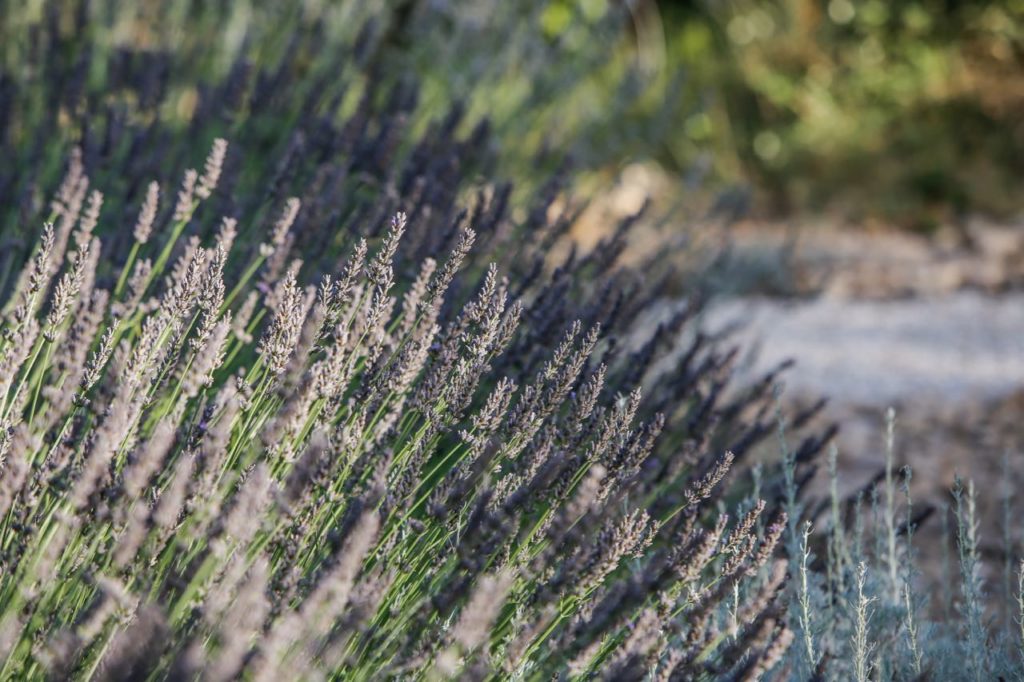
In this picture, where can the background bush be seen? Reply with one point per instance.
(905, 112)
(907, 107)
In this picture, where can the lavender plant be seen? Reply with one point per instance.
(325, 405)
(242, 474)
(870, 596)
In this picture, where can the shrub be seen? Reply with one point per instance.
(861, 609)
(283, 417)
(900, 111)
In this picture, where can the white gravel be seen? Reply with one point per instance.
(955, 348)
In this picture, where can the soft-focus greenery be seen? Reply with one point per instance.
(547, 75)
(904, 109)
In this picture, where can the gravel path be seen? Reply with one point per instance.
(960, 347)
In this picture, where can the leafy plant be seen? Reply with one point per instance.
(901, 111)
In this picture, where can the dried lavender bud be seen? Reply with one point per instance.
(147, 214)
(479, 614)
(132, 537)
(212, 168)
(68, 217)
(134, 649)
(323, 605)
(280, 233)
(149, 459)
(186, 197)
(89, 220)
(66, 292)
(69, 185)
(279, 342)
(476, 620)
(207, 359)
(16, 466)
(245, 313)
(240, 625)
(413, 299)
(227, 234)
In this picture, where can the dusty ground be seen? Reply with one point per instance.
(933, 351)
(933, 329)
(952, 366)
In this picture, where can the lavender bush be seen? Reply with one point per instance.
(283, 415)
(243, 473)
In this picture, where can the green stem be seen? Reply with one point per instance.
(123, 278)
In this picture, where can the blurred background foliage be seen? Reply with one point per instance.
(902, 111)
(906, 111)
(910, 110)
(544, 85)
